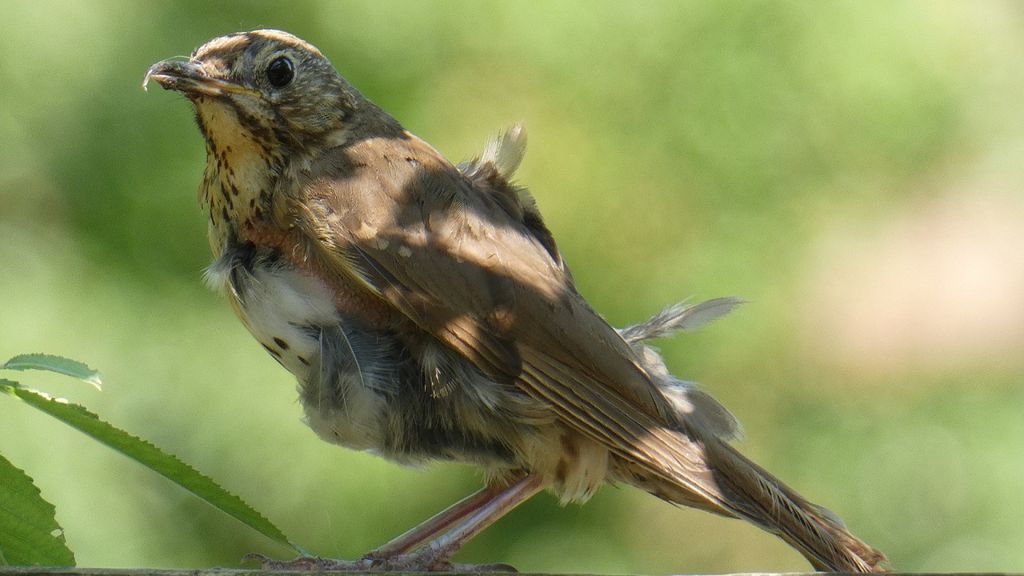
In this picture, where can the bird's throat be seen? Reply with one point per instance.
(241, 169)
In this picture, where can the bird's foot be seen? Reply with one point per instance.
(424, 560)
(417, 562)
(310, 564)
(428, 559)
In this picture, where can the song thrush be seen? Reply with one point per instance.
(427, 312)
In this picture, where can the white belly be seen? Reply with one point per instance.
(282, 309)
(287, 312)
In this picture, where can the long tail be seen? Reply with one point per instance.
(728, 483)
(754, 494)
(714, 476)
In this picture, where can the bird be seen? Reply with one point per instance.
(427, 313)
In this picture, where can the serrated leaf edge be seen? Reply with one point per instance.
(199, 480)
(51, 363)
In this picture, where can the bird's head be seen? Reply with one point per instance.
(267, 86)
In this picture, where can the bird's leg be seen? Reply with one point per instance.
(437, 524)
(476, 522)
(379, 557)
(450, 530)
(456, 526)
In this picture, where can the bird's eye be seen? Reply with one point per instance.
(280, 72)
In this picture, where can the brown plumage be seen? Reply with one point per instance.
(427, 312)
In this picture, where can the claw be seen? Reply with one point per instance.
(429, 560)
(309, 564)
(426, 560)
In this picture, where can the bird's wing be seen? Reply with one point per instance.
(403, 220)
(491, 174)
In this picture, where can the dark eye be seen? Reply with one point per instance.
(280, 72)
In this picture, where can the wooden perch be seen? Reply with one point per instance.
(43, 571)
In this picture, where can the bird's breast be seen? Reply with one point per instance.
(293, 315)
(284, 309)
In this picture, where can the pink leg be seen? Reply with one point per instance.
(476, 521)
(437, 524)
(451, 529)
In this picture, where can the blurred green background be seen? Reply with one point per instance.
(854, 169)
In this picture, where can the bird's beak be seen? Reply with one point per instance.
(189, 78)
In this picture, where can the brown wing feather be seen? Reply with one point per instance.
(461, 267)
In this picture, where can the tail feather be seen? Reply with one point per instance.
(720, 479)
(742, 489)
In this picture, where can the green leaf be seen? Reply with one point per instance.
(8, 385)
(57, 364)
(29, 533)
(155, 459)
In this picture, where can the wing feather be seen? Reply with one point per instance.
(466, 271)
